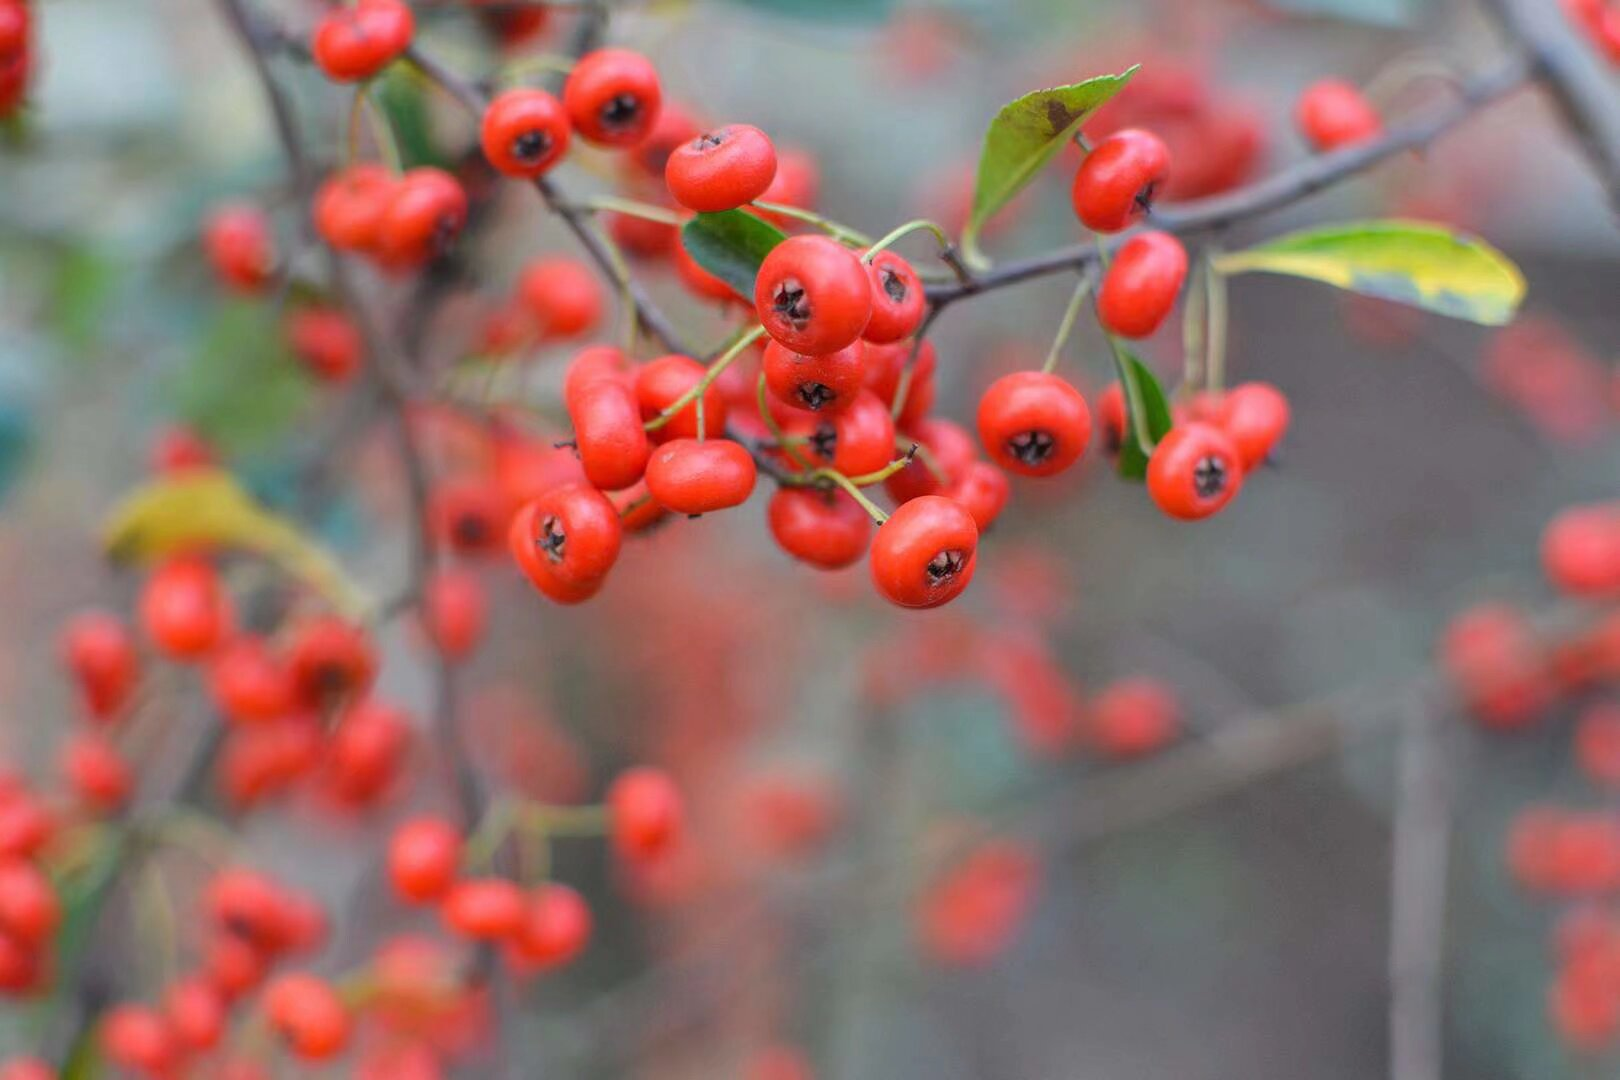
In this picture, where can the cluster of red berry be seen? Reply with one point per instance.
(16, 53)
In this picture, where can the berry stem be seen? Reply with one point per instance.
(1135, 403)
(868, 479)
(382, 131)
(788, 447)
(1082, 290)
(632, 208)
(1216, 302)
(538, 64)
(902, 388)
(1194, 336)
(497, 822)
(716, 368)
(832, 228)
(877, 512)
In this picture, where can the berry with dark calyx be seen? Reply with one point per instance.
(468, 515)
(1194, 471)
(1116, 183)
(827, 529)
(1332, 114)
(721, 169)
(425, 214)
(330, 661)
(1033, 423)
(524, 133)
(691, 476)
(661, 382)
(567, 540)
(1112, 419)
(1141, 286)
(898, 301)
(925, 554)
(813, 295)
(856, 441)
(613, 97)
(827, 383)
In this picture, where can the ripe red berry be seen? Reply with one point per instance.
(350, 206)
(100, 655)
(613, 445)
(1333, 114)
(308, 1014)
(327, 341)
(525, 132)
(1141, 286)
(925, 554)
(29, 909)
(138, 1038)
(898, 301)
(826, 383)
(331, 661)
(240, 247)
(26, 826)
(886, 364)
(813, 295)
(595, 364)
(1033, 423)
(484, 909)
(454, 612)
(721, 169)
(555, 929)
(233, 965)
(1194, 471)
(645, 813)
(16, 30)
(248, 683)
(425, 213)
(1492, 657)
(422, 859)
(1116, 182)
(26, 1068)
(468, 515)
(1255, 416)
(365, 752)
(950, 451)
(661, 382)
(22, 969)
(184, 610)
(1112, 418)
(688, 476)
(177, 448)
(826, 529)
(566, 541)
(563, 295)
(1580, 550)
(983, 490)
(1597, 743)
(796, 183)
(613, 97)
(856, 441)
(353, 43)
(196, 1013)
(1133, 717)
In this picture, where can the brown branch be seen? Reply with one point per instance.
(1272, 193)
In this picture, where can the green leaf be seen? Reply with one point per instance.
(241, 387)
(1145, 406)
(1025, 135)
(731, 245)
(82, 285)
(824, 11)
(1410, 262)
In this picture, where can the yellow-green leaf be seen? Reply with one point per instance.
(207, 508)
(1411, 262)
(1024, 136)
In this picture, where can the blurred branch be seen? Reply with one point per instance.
(1584, 96)
(1419, 865)
(1272, 193)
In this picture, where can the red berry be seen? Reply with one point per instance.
(16, 30)
(555, 929)
(826, 383)
(468, 515)
(196, 1013)
(484, 909)
(1597, 743)
(813, 295)
(26, 1068)
(886, 364)
(645, 812)
(796, 184)
(1194, 471)
(366, 751)
(1491, 655)
(856, 441)
(1133, 717)
(184, 609)
(1034, 424)
(721, 169)
(924, 555)
(454, 612)
(137, 1038)
(327, 341)
(424, 215)
(898, 301)
(661, 382)
(950, 450)
(613, 445)
(177, 448)
(29, 909)
(613, 97)
(353, 43)
(983, 490)
(1255, 416)
(1141, 286)
(689, 476)
(422, 859)
(826, 529)
(595, 364)
(1580, 550)
(331, 661)
(308, 1014)
(564, 296)
(1333, 114)
(525, 132)
(100, 654)
(248, 683)
(566, 541)
(233, 965)
(1112, 418)
(237, 238)
(351, 204)
(1116, 182)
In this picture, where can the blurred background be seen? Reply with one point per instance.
(849, 765)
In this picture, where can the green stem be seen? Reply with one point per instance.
(537, 64)
(1194, 327)
(896, 235)
(702, 385)
(826, 225)
(775, 429)
(1082, 289)
(566, 820)
(879, 515)
(1215, 297)
(488, 836)
(632, 208)
(382, 132)
(1133, 395)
